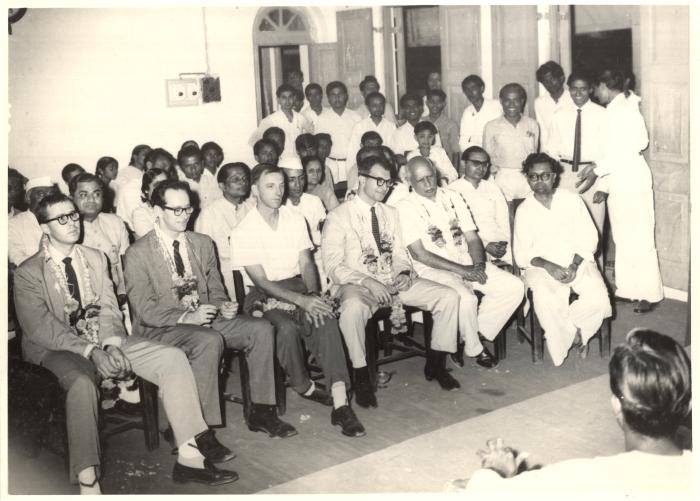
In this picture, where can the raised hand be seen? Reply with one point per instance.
(501, 458)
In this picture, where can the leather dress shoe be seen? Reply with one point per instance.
(211, 448)
(485, 359)
(643, 306)
(349, 424)
(320, 396)
(365, 396)
(446, 381)
(264, 418)
(209, 475)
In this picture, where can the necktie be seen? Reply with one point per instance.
(179, 264)
(577, 142)
(72, 280)
(375, 229)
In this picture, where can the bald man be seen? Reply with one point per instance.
(439, 232)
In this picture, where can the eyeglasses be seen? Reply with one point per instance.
(179, 210)
(545, 176)
(380, 181)
(63, 218)
(479, 163)
(237, 180)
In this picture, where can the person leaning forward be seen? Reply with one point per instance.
(178, 298)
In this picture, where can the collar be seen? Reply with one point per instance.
(59, 256)
(364, 205)
(168, 240)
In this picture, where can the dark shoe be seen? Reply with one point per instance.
(447, 382)
(643, 306)
(346, 418)
(212, 449)
(320, 396)
(264, 418)
(364, 392)
(209, 475)
(435, 369)
(485, 359)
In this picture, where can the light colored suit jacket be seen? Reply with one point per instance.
(39, 303)
(343, 240)
(149, 283)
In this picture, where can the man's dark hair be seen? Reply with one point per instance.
(189, 142)
(260, 143)
(513, 86)
(137, 151)
(147, 179)
(68, 171)
(322, 136)
(103, 163)
(311, 87)
(472, 79)
(475, 149)
(366, 80)
(211, 145)
(187, 152)
(425, 125)
(650, 374)
(53, 198)
(436, 92)
(541, 158)
(371, 135)
(83, 177)
(158, 197)
(225, 170)
(367, 152)
(285, 87)
(305, 141)
(613, 78)
(374, 95)
(261, 169)
(579, 75)
(336, 84)
(365, 165)
(549, 67)
(274, 131)
(403, 102)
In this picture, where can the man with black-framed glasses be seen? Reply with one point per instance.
(487, 204)
(553, 242)
(366, 259)
(178, 298)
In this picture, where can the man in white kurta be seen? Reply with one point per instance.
(552, 78)
(370, 85)
(561, 145)
(630, 200)
(442, 239)
(403, 140)
(291, 122)
(477, 114)
(202, 182)
(314, 104)
(375, 121)
(338, 121)
(23, 230)
(220, 218)
(554, 241)
(366, 260)
(487, 204)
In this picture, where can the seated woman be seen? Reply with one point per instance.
(144, 216)
(107, 169)
(650, 380)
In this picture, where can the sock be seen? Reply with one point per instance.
(188, 454)
(340, 395)
(87, 476)
(311, 389)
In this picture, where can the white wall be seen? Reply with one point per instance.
(591, 18)
(90, 82)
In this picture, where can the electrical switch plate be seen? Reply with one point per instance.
(183, 92)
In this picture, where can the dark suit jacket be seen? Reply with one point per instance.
(149, 283)
(39, 303)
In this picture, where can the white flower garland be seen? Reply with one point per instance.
(169, 259)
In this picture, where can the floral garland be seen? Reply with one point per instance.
(184, 287)
(459, 242)
(380, 267)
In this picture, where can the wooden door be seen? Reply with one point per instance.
(664, 50)
(515, 49)
(323, 60)
(460, 52)
(355, 50)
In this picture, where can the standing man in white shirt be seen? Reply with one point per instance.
(403, 140)
(376, 121)
(487, 204)
(576, 138)
(477, 114)
(552, 77)
(314, 97)
(443, 242)
(554, 242)
(338, 121)
(220, 218)
(202, 182)
(291, 122)
(370, 85)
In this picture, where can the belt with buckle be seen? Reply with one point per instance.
(572, 162)
(338, 159)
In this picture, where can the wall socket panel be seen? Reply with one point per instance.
(183, 92)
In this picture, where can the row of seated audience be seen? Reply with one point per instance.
(409, 231)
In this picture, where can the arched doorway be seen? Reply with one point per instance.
(281, 39)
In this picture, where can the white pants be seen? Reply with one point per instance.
(512, 183)
(502, 292)
(558, 318)
(357, 305)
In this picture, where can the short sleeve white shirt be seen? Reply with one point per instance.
(311, 207)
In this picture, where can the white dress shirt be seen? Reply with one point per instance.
(292, 128)
(385, 129)
(207, 188)
(389, 113)
(218, 221)
(471, 126)
(340, 129)
(563, 128)
(545, 107)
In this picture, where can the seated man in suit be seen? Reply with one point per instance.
(554, 241)
(441, 237)
(73, 327)
(366, 261)
(272, 243)
(178, 298)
